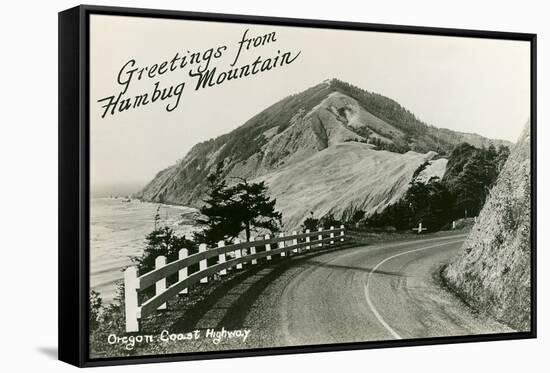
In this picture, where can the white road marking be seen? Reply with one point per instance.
(366, 287)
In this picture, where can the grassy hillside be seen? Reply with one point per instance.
(343, 179)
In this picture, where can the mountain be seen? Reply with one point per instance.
(312, 131)
(345, 178)
(493, 272)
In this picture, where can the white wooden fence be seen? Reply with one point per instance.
(227, 257)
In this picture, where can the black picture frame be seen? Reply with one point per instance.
(74, 180)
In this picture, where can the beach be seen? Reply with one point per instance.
(118, 227)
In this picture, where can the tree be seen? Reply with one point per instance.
(253, 207)
(429, 203)
(329, 221)
(357, 216)
(228, 211)
(310, 223)
(220, 221)
(491, 152)
(469, 176)
(162, 241)
(440, 204)
(471, 172)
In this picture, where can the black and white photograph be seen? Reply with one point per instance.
(259, 186)
(291, 186)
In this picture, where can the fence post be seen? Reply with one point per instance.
(331, 235)
(202, 264)
(320, 237)
(281, 244)
(221, 258)
(238, 253)
(295, 241)
(131, 299)
(160, 285)
(342, 233)
(308, 239)
(267, 247)
(182, 274)
(253, 251)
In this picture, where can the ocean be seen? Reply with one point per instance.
(117, 233)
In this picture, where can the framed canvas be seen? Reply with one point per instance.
(234, 186)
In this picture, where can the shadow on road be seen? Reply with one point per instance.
(230, 302)
(361, 269)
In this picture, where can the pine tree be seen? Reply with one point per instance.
(253, 207)
(219, 211)
(162, 241)
(310, 223)
(228, 211)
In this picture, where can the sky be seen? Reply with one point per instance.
(464, 84)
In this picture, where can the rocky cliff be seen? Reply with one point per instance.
(493, 272)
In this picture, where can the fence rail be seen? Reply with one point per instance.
(227, 257)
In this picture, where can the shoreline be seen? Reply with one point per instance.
(167, 204)
(118, 230)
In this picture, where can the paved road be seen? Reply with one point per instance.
(388, 292)
(380, 292)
